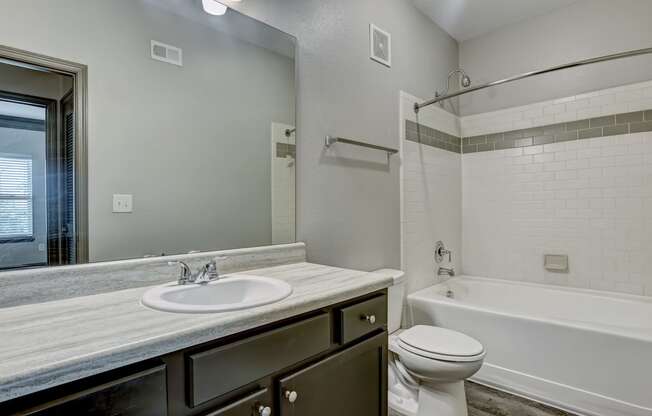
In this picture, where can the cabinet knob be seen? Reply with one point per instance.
(291, 396)
(264, 410)
(370, 318)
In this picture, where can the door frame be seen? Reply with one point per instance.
(79, 73)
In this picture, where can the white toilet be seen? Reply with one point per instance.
(427, 364)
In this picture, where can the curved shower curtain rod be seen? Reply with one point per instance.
(418, 106)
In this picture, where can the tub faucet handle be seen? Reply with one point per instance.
(441, 251)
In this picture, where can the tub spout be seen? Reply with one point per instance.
(446, 271)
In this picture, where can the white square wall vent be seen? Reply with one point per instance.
(380, 44)
(166, 53)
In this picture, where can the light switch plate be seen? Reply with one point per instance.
(123, 203)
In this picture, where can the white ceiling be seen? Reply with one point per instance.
(466, 19)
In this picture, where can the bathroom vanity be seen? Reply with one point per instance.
(321, 351)
(328, 361)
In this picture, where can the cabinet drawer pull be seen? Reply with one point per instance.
(370, 318)
(264, 410)
(291, 396)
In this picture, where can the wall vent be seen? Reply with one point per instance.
(380, 45)
(167, 53)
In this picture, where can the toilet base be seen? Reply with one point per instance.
(442, 399)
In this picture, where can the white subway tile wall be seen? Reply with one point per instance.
(431, 197)
(623, 99)
(590, 198)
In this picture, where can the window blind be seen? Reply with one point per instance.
(16, 205)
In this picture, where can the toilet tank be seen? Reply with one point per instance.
(395, 296)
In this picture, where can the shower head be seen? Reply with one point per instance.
(465, 81)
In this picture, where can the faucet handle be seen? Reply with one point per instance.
(210, 269)
(441, 251)
(186, 271)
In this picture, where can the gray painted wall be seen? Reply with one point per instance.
(348, 206)
(187, 142)
(583, 30)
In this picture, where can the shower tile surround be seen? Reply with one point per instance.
(611, 125)
(568, 176)
(431, 189)
(419, 133)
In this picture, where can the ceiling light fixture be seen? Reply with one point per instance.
(214, 7)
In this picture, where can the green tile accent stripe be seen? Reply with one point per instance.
(428, 136)
(635, 122)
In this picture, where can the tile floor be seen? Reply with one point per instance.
(483, 401)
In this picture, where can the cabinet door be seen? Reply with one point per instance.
(141, 394)
(350, 383)
(257, 404)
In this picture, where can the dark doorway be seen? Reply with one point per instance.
(37, 168)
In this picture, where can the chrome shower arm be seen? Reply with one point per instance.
(448, 81)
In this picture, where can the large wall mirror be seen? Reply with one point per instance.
(137, 128)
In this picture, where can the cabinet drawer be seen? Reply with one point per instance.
(141, 394)
(217, 371)
(251, 405)
(362, 318)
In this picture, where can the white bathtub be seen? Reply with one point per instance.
(584, 351)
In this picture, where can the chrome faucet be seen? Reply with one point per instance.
(206, 274)
(440, 252)
(446, 271)
(185, 275)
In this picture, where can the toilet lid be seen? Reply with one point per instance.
(440, 341)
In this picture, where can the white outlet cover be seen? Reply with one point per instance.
(123, 203)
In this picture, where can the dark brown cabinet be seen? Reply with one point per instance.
(140, 394)
(257, 404)
(361, 318)
(253, 358)
(331, 361)
(350, 383)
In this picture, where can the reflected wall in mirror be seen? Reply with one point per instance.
(144, 128)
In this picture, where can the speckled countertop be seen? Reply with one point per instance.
(47, 344)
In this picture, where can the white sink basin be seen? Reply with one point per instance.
(229, 293)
